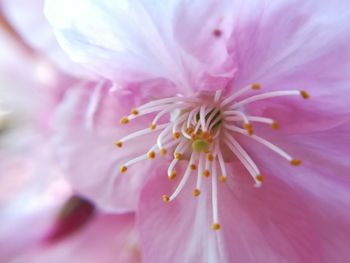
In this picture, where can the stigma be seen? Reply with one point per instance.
(202, 131)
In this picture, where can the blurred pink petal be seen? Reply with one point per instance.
(86, 122)
(107, 238)
(73, 234)
(29, 21)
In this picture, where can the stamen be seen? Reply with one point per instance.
(223, 178)
(249, 128)
(162, 152)
(165, 198)
(256, 86)
(196, 192)
(259, 177)
(252, 172)
(142, 132)
(275, 125)
(295, 162)
(184, 131)
(178, 156)
(206, 173)
(304, 94)
(193, 113)
(182, 182)
(168, 100)
(163, 134)
(124, 120)
(163, 112)
(123, 169)
(218, 153)
(204, 128)
(217, 95)
(202, 115)
(267, 95)
(179, 121)
(238, 93)
(137, 159)
(176, 135)
(134, 111)
(252, 119)
(172, 175)
(216, 227)
(267, 144)
(212, 116)
(119, 144)
(214, 197)
(243, 153)
(200, 170)
(151, 155)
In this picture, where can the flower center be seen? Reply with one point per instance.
(201, 131)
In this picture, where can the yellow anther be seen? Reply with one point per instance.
(295, 162)
(124, 120)
(205, 135)
(162, 152)
(172, 175)
(176, 135)
(178, 156)
(259, 178)
(210, 139)
(152, 126)
(165, 198)
(119, 144)
(223, 178)
(249, 128)
(256, 86)
(134, 111)
(196, 192)
(210, 157)
(304, 94)
(193, 167)
(215, 226)
(151, 155)
(123, 169)
(206, 173)
(275, 125)
(189, 130)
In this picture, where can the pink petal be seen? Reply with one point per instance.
(134, 41)
(178, 231)
(300, 214)
(31, 24)
(296, 45)
(86, 130)
(255, 224)
(324, 169)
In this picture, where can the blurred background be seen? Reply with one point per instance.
(42, 219)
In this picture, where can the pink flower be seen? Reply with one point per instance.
(204, 79)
